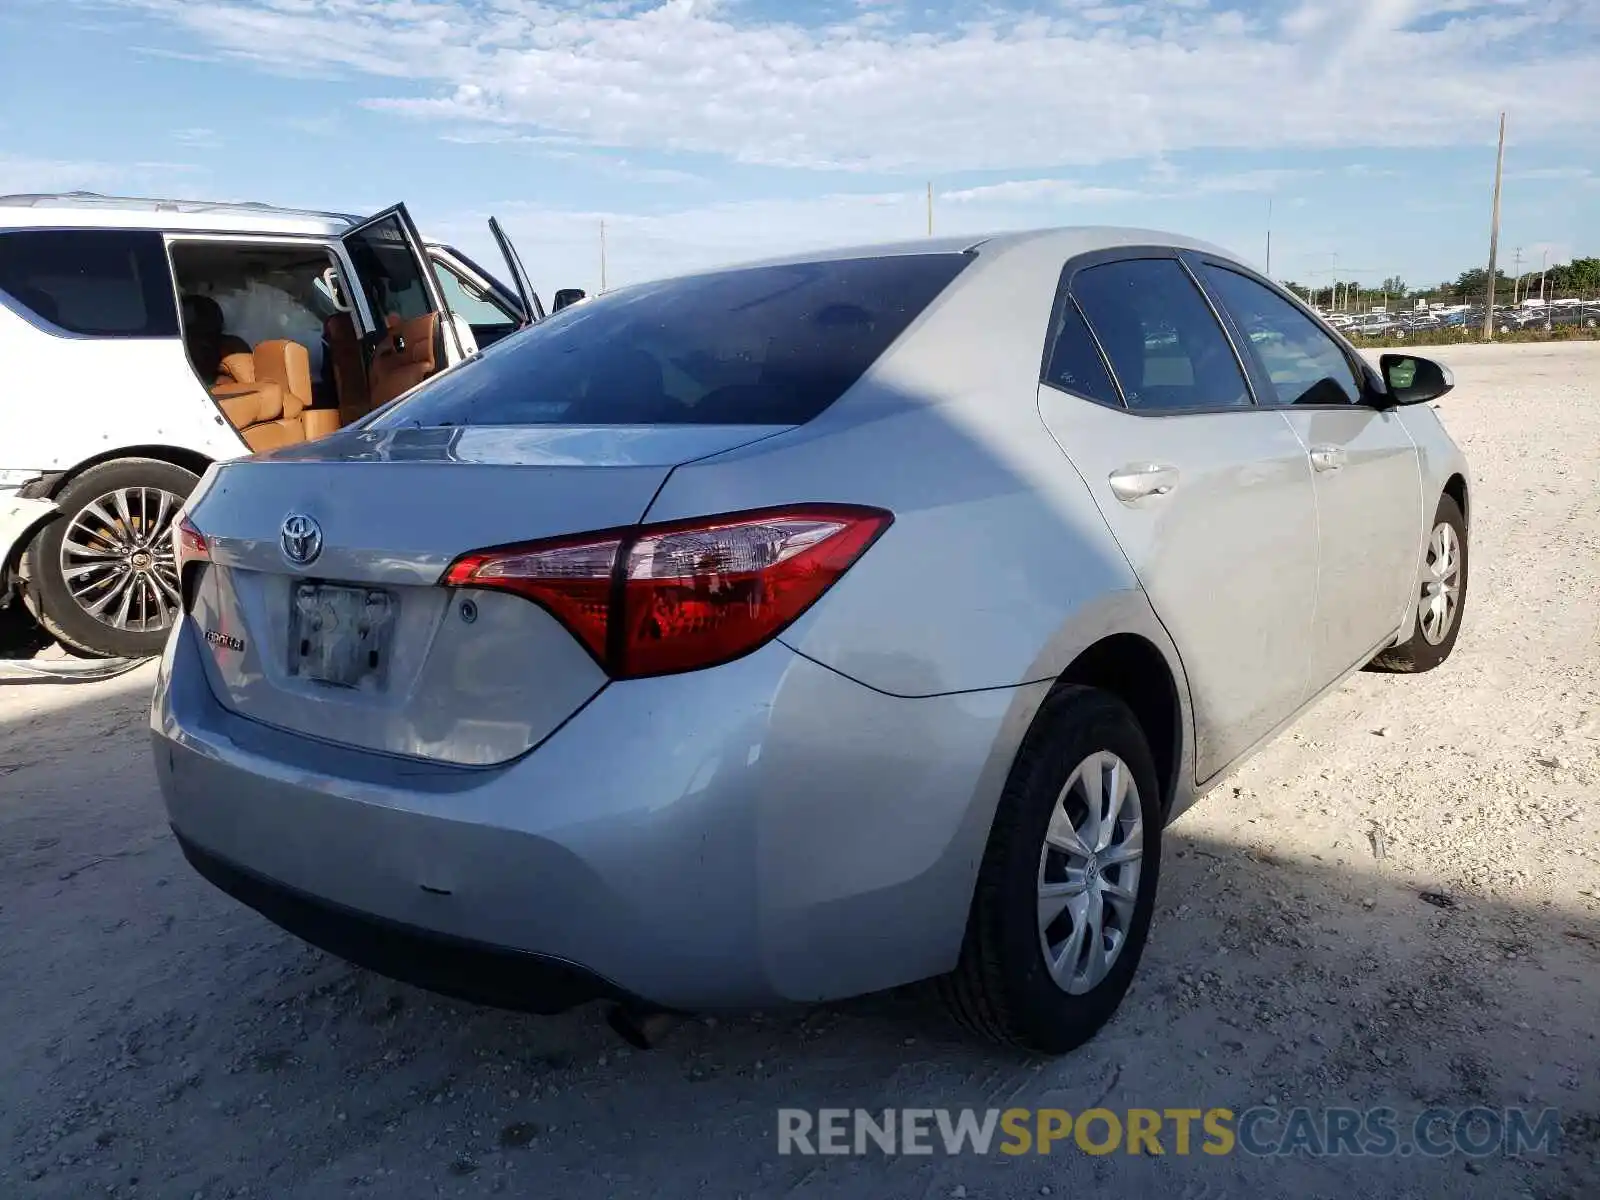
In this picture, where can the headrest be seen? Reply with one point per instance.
(202, 315)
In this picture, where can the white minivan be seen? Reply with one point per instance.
(144, 340)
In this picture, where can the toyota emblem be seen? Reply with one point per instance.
(302, 539)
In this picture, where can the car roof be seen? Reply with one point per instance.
(90, 210)
(1061, 242)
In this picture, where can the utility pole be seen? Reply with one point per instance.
(930, 208)
(1544, 265)
(1269, 237)
(1516, 283)
(1494, 231)
(602, 256)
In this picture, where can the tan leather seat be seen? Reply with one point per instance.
(411, 351)
(204, 337)
(265, 393)
(349, 367)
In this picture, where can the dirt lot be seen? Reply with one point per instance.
(160, 1040)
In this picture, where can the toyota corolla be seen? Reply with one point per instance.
(799, 630)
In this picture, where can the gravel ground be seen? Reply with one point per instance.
(1398, 903)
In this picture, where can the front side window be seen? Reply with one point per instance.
(1304, 364)
(756, 346)
(468, 301)
(109, 283)
(1166, 348)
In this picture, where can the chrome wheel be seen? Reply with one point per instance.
(1441, 584)
(1089, 872)
(117, 562)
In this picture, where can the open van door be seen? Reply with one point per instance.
(519, 277)
(410, 333)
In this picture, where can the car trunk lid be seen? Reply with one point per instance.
(321, 613)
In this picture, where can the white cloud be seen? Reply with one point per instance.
(1092, 83)
(26, 174)
(1036, 191)
(198, 138)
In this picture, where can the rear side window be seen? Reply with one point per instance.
(758, 346)
(1304, 364)
(98, 282)
(1075, 363)
(1166, 348)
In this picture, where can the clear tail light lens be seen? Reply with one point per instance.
(681, 596)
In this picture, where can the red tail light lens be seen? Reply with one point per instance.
(685, 595)
(189, 545)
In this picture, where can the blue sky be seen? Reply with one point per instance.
(705, 131)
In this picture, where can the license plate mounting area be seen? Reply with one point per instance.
(339, 635)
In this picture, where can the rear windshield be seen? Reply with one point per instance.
(758, 346)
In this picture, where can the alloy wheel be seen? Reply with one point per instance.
(117, 560)
(1441, 584)
(1089, 872)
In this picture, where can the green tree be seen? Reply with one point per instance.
(1579, 277)
(1395, 286)
(1474, 284)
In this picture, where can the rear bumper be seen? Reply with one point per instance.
(762, 832)
(457, 967)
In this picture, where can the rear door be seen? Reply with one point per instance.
(1209, 496)
(410, 334)
(1367, 475)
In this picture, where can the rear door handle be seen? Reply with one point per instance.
(1327, 458)
(1137, 481)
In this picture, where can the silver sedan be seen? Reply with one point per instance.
(799, 630)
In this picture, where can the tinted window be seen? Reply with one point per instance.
(1075, 362)
(1305, 365)
(1166, 348)
(763, 345)
(389, 272)
(100, 282)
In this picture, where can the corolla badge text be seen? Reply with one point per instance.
(225, 640)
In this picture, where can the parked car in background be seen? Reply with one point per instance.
(143, 340)
(799, 630)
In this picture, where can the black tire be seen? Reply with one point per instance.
(1418, 653)
(52, 600)
(1002, 987)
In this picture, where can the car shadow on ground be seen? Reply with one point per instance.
(159, 1025)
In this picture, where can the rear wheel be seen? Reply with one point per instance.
(102, 573)
(1068, 881)
(1441, 597)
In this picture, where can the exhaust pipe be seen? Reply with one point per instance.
(641, 1028)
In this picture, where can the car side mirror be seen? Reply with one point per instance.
(569, 296)
(1412, 379)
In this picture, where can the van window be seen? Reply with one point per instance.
(97, 282)
(768, 345)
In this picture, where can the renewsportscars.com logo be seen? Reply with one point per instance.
(1263, 1132)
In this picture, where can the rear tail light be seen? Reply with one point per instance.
(189, 546)
(677, 597)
